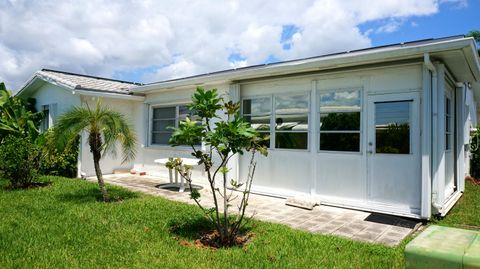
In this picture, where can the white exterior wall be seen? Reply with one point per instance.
(50, 94)
(337, 178)
(148, 153)
(108, 163)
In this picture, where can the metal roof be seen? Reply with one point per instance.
(86, 82)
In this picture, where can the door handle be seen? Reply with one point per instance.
(370, 152)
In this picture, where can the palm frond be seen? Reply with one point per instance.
(112, 125)
(115, 128)
(70, 124)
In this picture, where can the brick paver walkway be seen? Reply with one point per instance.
(354, 224)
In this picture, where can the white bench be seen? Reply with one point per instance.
(181, 186)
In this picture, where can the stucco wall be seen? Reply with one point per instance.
(109, 162)
(52, 94)
(148, 153)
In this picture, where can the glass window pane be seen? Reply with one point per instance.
(392, 127)
(447, 106)
(266, 136)
(292, 122)
(162, 125)
(260, 123)
(164, 113)
(447, 141)
(291, 104)
(340, 121)
(161, 138)
(447, 124)
(261, 105)
(183, 112)
(340, 141)
(291, 140)
(340, 101)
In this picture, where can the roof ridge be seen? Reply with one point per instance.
(90, 76)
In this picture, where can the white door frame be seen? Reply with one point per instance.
(412, 204)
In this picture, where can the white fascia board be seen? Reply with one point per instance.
(36, 77)
(327, 62)
(109, 95)
(473, 52)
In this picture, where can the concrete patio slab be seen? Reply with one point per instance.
(353, 224)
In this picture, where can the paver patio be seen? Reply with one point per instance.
(354, 224)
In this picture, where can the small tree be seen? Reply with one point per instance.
(105, 127)
(223, 139)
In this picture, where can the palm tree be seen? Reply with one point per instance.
(105, 128)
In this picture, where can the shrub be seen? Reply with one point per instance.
(475, 155)
(55, 161)
(19, 160)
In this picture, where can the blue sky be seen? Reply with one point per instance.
(161, 40)
(450, 20)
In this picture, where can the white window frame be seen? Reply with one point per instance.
(448, 125)
(150, 120)
(273, 117)
(269, 96)
(361, 110)
(48, 119)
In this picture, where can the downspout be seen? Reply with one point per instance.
(434, 152)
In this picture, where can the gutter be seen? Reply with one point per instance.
(109, 95)
(434, 151)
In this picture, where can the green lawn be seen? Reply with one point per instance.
(63, 226)
(466, 213)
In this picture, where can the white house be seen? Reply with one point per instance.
(384, 129)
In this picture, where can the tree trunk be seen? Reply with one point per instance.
(95, 141)
(101, 183)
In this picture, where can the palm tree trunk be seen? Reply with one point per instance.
(95, 141)
(101, 183)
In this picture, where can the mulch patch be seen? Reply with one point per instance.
(211, 240)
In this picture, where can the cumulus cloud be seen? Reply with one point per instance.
(181, 38)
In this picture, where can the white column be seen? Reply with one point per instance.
(426, 121)
(438, 136)
(313, 125)
(234, 162)
(460, 135)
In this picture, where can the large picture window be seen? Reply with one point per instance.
(339, 116)
(165, 117)
(291, 121)
(258, 111)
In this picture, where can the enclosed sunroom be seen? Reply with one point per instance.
(384, 129)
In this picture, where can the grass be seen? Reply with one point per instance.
(64, 226)
(466, 213)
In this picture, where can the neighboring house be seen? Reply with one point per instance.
(384, 129)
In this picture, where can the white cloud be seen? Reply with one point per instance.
(101, 37)
(391, 26)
